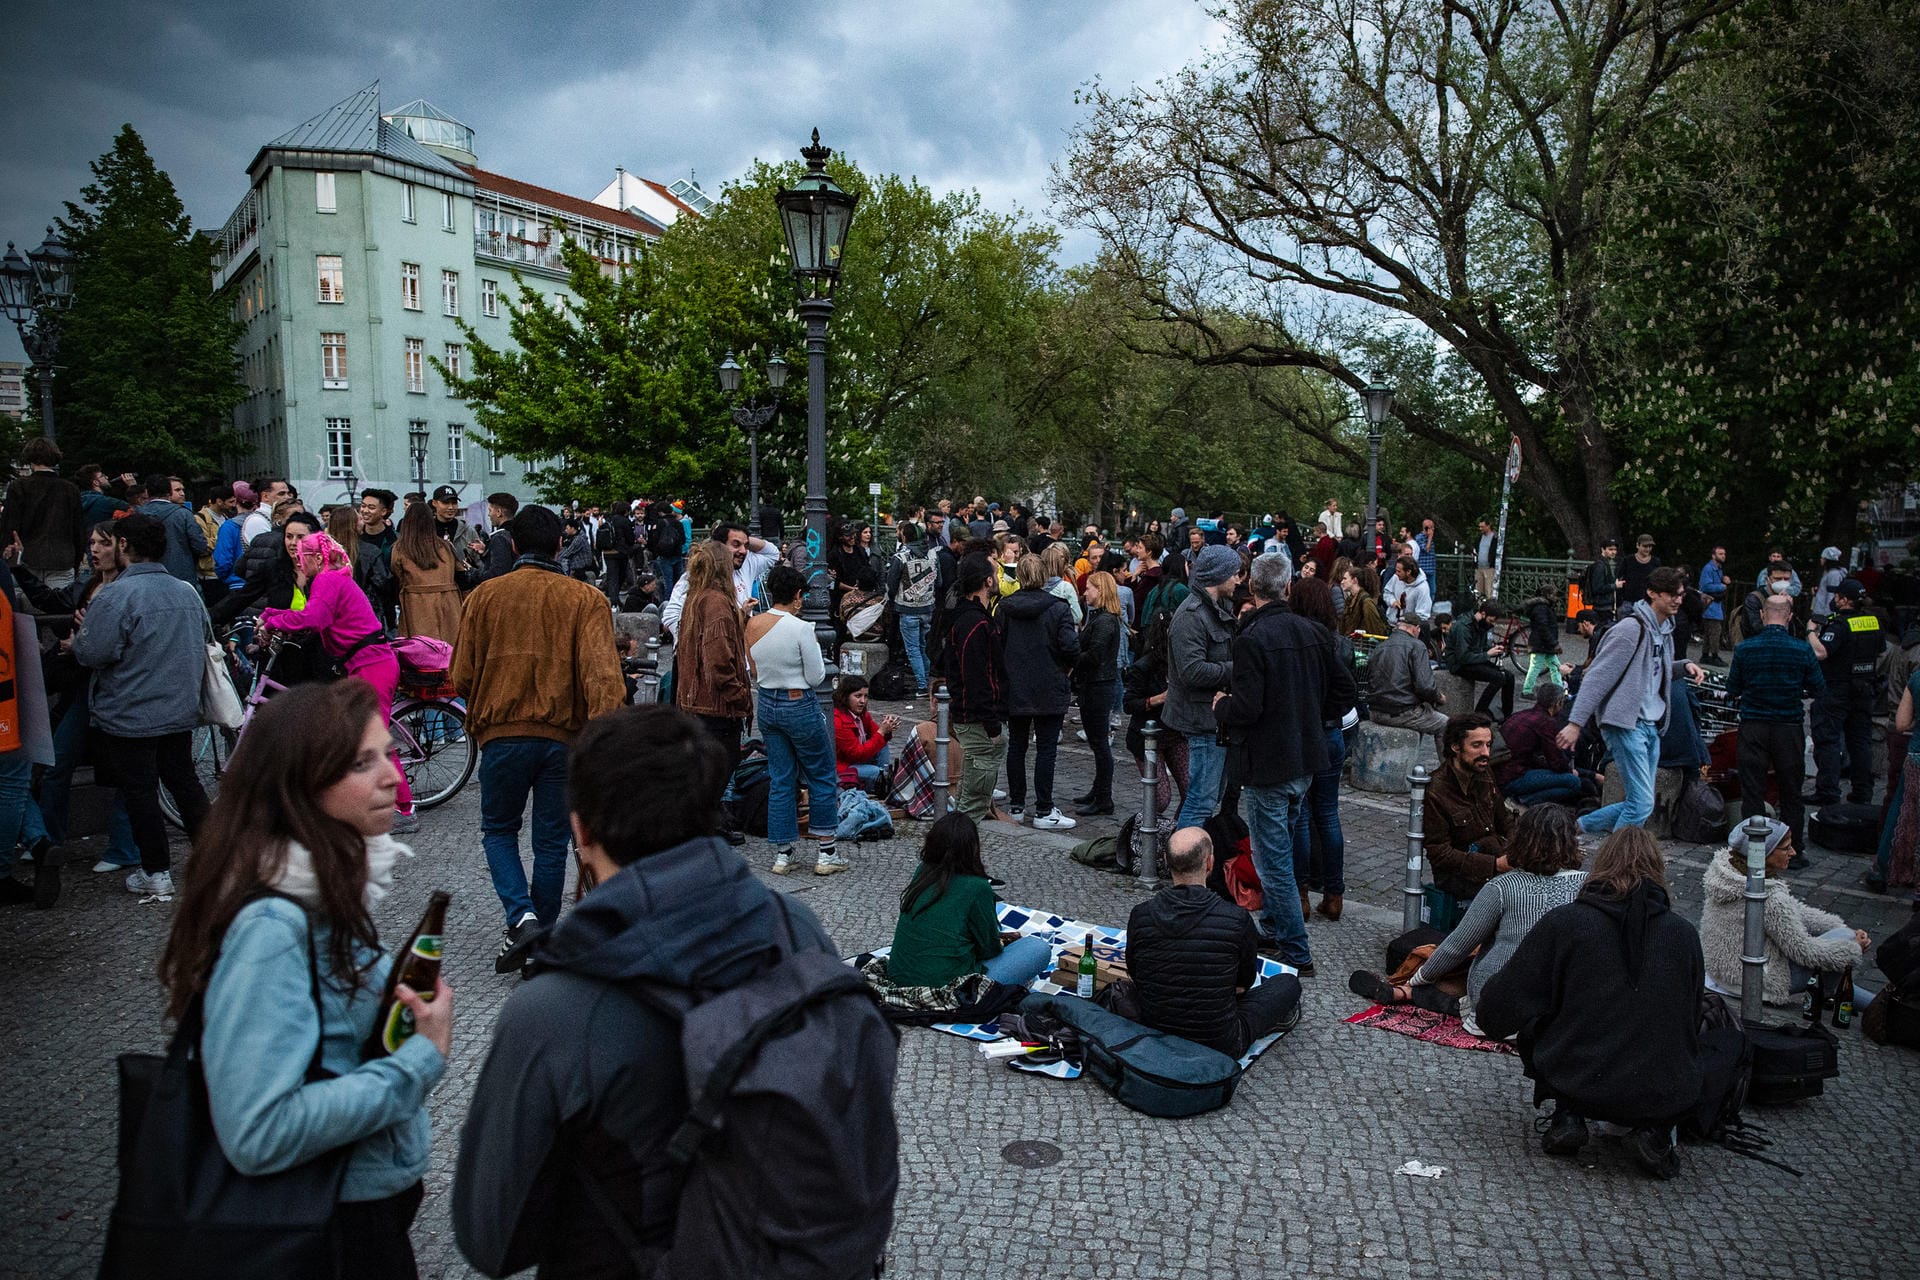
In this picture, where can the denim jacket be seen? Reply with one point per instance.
(258, 1039)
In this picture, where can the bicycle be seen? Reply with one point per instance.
(429, 725)
(1511, 639)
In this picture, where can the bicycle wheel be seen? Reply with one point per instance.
(434, 750)
(212, 747)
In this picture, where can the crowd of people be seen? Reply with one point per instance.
(1257, 651)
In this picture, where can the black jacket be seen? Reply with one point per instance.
(1604, 994)
(1188, 952)
(975, 670)
(583, 1074)
(1288, 684)
(1037, 637)
(498, 560)
(1099, 661)
(1543, 629)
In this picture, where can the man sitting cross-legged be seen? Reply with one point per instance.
(1193, 955)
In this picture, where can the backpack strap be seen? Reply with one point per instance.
(1601, 706)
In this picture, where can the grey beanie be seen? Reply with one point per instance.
(1215, 565)
(1179, 513)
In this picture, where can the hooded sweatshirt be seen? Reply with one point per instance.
(584, 1075)
(1188, 951)
(1604, 994)
(1628, 677)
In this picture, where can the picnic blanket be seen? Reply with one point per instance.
(1443, 1029)
(1064, 931)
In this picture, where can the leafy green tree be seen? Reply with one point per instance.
(148, 377)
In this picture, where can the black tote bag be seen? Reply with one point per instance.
(183, 1211)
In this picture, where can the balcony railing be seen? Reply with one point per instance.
(236, 239)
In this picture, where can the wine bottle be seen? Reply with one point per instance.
(1088, 967)
(418, 967)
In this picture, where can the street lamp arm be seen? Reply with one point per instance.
(752, 417)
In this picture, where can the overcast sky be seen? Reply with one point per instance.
(960, 93)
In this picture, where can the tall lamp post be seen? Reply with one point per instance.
(1377, 399)
(417, 454)
(35, 291)
(752, 416)
(815, 216)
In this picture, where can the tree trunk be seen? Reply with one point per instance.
(1840, 517)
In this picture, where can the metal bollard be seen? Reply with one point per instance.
(650, 673)
(1147, 872)
(1417, 779)
(1753, 951)
(942, 708)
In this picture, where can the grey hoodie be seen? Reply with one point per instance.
(1633, 662)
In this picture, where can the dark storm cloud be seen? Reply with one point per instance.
(958, 94)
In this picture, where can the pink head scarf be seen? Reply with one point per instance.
(332, 556)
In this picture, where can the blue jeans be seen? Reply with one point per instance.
(510, 770)
(872, 773)
(1271, 814)
(16, 781)
(1022, 961)
(668, 569)
(799, 746)
(1206, 769)
(1800, 977)
(1536, 785)
(1636, 753)
(1316, 828)
(913, 634)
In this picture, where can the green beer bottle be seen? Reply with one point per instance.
(1088, 967)
(419, 968)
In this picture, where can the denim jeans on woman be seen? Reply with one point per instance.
(1045, 730)
(46, 815)
(1271, 814)
(913, 634)
(1022, 961)
(1316, 829)
(799, 747)
(511, 770)
(1636, 754)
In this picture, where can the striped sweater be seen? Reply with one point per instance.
(1500, 916)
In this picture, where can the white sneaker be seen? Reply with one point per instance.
(107, 864)
(999, 793)
(831, 864)
(1080, 734)
(158, 885)
(1018, 814)
(1054, 820)
(1471, 1024)
(783, 862)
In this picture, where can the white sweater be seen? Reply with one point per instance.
(788, 655)
(1793, 933)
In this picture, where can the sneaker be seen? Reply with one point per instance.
(1018, 813)
(783, 862)
(1565, 1135)
(405, 824)
(1654, 1152)
(831, 864)
(158, 885)
(1053, 820)
(995, 882)
(1471, 1025)
(108, 864)
(517, 943)
(1291, 1021)
(999, 793)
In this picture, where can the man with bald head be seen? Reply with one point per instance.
(1193, 955)
(1771, 672)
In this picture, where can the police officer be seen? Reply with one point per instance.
(1848, 643)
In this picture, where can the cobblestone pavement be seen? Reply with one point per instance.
(1296, 1178)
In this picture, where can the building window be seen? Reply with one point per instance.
(490, 298)
(450, 292)
(416, 366)
(406, 202)
(496, 465)
(339, 448)
(559, 302)
(452, 361)
(446, 211)
(410, 285)
(333, 279)
(456, 452)
(323, 192)
(333, 361)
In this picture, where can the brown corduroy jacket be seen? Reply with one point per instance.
(535, 656)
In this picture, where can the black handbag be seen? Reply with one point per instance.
(183, 1212)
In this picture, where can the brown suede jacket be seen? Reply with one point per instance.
(535, 656)
(1460, 813)
(710, 674)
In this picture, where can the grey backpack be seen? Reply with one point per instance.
(789, 1155)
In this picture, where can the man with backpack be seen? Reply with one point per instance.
(913, 583)
(626, 1121)
(666, 543)
(614, 541)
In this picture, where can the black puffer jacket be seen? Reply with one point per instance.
(1099, 661)
(1040, 645)
(1188, 952)
(1604, 994)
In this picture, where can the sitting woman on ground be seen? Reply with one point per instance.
(947, 925)
(1536, 770)
(1545, 855)
(1096, 674)
(1360, 590)
(859, 741)
(1316, 823)
(332, 606)
(1603, 996)
(1804, 943)
(276, 916)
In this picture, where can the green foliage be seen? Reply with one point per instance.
(148, 378)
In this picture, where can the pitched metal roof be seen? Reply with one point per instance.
(353, 127)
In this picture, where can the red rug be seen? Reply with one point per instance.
(1423, 1024)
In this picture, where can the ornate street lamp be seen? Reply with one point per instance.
(417, 454)
(752, 416)
(815, 216)
(1377, 400)
(35, 291)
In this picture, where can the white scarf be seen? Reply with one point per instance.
(297, 879)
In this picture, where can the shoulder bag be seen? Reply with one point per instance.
(219, 703)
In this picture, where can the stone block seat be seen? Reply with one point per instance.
(1381, 757)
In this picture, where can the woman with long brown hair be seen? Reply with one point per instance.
(710, 661)
(274, 948)
(423, 566)
(1096, 674)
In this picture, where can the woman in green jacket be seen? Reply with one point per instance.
(948, 927)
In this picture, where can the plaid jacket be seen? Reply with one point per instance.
(1771, 672)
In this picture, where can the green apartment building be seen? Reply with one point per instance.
(361, 238)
